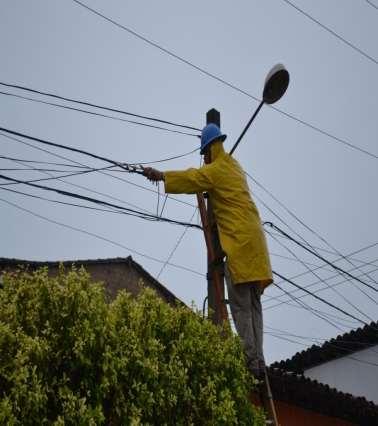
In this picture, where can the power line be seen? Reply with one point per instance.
(175, 247)
(319, 298)
(364, 263)
(372, 4)
(55, 177)
(70, 183)
(306, 266)
(98, 114)
(328, 286)
(84, 165)
(23, 169)
(61, 202)
(92, 234)
(308, 308)
(318, 290)
(307, 287)
(77, 101)
(329, 30)
(179, 240)
(128, 211)
(221, 80)
(346, 323)
(88, 170)
(124, 166)
(291, 259)
(290, 212)
(319, 256)
(350, 255)
(38, 162)
(161, 160)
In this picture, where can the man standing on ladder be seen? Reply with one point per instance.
(242, 238)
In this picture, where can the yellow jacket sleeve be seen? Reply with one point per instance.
(189, 181)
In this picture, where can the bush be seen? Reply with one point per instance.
(67, 357)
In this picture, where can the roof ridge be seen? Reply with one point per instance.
(336, 347)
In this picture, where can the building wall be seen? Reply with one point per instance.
(291, 415)
(352, 374)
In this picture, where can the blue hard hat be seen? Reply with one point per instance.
(210, 133)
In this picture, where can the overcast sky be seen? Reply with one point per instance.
(60, 47)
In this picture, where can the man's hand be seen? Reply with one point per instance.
(153, 174)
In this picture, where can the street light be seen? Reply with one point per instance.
(276, 83)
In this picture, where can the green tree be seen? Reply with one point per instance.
(68, 357)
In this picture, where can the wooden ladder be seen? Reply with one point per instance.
(264, 398)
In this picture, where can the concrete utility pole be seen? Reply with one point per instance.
(215, 259)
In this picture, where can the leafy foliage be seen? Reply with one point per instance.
(67, 357)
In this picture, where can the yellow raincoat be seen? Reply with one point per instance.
(241, 235)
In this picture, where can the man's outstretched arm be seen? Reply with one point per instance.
(182, 181)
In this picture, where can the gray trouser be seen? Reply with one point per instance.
(246, 310)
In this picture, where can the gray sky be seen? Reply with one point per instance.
(58, 46)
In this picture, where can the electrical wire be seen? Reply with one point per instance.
(127, 211)
(175, 247)
(331, 286)
(306, 295)
(308, 308)
(77, 101)
(221, 80)
(83, 187)
(329, 30)
(92, 234)
(164, 203)
(134, 163)
(291, 259)
(84, 111)
(102, 172)
(60, 202)
(52, 177)
(364, 263)
(335, 276)
(319, 298)
(290, 212)
(124, 166)
(372, 4)
(343, 322)
(319, 256)
(22, 160)
(158, 198)
(327, 286)
(89, 170)
(178, 242)
(21, 169)
(306, 266)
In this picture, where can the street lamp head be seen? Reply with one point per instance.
(276, 83)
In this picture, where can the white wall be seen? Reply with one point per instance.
(353, 374)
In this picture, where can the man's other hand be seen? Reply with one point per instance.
(153, 174)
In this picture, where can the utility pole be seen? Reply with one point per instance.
(215, 255)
